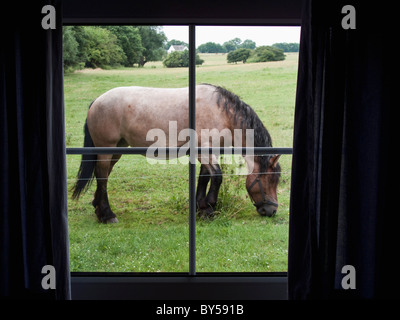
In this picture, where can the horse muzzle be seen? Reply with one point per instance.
(267, 209)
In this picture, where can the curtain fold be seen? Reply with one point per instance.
(343, 174)
(33, 201)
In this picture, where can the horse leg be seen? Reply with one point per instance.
(113, 161)
(121, 144)
(216, 180)
(100, 202)
(207, 205)
(204, 177)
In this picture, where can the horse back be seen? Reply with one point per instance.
(130, 112)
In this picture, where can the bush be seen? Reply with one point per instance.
(179, 59)
(238, 55)
(267, 53)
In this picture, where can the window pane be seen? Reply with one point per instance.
(150, 202)
(237, 238)
(150, 199)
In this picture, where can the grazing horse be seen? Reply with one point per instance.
(123, 116)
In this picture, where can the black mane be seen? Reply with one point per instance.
(248, 120)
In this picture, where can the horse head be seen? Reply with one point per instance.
(261, 185)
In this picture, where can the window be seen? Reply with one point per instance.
(152, 234)
(192, 268)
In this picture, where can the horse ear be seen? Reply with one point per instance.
(274, 160)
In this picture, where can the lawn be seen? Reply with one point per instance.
(151, 201)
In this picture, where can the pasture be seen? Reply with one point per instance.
(151, 201)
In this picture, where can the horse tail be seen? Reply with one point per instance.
(86, 170)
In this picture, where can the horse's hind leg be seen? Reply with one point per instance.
(113, 161)
(121, 144)
(100, 202)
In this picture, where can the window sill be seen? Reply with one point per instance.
(179, 286)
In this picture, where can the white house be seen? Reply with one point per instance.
(177, 48)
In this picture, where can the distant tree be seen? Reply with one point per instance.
(229, 46)
(178, 59)
(130, 41)
(267, 53)
(287, 47)
(152, 41)
(211, 47)
(236, 42)
(238, 55)
(248, 44)
(102, 48)
(232, 45)
(109, 46)
(174, 60)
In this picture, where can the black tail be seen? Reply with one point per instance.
(86, 170)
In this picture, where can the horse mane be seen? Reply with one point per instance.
(248, 119)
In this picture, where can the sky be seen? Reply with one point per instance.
(220, 34)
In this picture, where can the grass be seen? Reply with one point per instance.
(151, 201)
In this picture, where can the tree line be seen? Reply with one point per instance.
(111, 46)
(228, 46)
(235, 44)
(259, 54)
(115, 46)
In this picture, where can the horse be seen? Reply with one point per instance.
(122, 117)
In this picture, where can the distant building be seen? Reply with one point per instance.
(177, 48)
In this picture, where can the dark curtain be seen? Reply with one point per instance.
(33, 202)
(344, 208)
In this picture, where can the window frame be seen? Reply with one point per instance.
(191, 285)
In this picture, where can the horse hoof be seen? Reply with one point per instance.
(207, 213)
(112, 220)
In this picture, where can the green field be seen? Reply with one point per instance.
(151, 201)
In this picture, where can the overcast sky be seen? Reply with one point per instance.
(220, 34)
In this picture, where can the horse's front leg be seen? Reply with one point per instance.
(204, 178)
(100, 202)
(207, 204)
(216, 180)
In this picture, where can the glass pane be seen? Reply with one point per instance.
(242, 60)
(150, 200)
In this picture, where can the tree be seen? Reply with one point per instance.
(108, 46)
(174, 60)
(152, 42)
(287, 47)
(211, 47)
(238, 55)
(103, 48)
(179, 59)
(232, 45)
(248, 44)
(130, 41)
(267, 53)
(70, 47)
